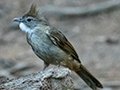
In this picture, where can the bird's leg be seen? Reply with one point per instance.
(58, 65)
(45, 66)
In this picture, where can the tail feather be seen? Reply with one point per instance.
(90, 80)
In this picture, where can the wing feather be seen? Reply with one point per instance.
(61, 41)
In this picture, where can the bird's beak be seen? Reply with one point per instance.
(19, 19)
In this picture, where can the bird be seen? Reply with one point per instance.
(51, 45)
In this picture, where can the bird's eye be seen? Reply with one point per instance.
(29, 19)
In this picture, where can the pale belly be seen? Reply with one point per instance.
(47, 51)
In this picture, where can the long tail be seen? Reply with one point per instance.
(90, 80)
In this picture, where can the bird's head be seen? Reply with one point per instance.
(31, 19)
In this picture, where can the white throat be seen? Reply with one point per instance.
(24, 28)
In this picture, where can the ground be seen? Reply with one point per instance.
(96, 38)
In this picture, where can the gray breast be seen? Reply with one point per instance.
(45, 49)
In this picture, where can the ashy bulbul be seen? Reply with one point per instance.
(50, 45)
